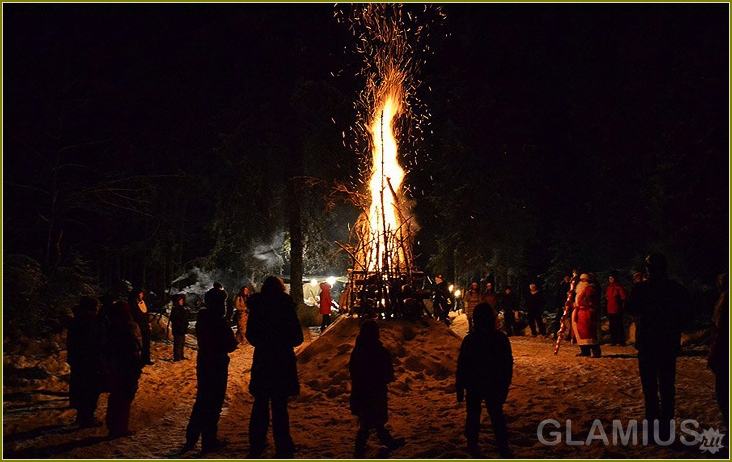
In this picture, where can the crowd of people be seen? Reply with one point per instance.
(108, 348)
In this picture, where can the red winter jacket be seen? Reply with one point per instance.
(325, 299)
(616, 296)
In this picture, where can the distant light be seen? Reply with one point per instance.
(457, 293)
(451, 287)
(331, 280)
(313, 282)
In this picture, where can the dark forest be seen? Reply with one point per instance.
(141, 141)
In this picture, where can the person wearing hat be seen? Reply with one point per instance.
(509, 305)
(661, 307)
(616, 296)
(585, 318)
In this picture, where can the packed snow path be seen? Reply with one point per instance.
(422, 405)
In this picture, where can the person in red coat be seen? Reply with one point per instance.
(325, 303)
(616, 296)
(585, 317)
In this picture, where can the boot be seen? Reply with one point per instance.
(389, 441)
(505, 452)
(474, 450)
(362, 437)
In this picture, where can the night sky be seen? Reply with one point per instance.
(554, 98)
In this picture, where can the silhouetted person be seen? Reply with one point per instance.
(371, 370)
(142, 318)
(240, 304)
(484, 373)
(216, 298)
(274, 330)
(179, 325)
(660, 306)
(534, 308)
(471, 299)
(215, 342)
(718, 358)
(123, 365)
(509, 305)
(441, 300)
(84, 346)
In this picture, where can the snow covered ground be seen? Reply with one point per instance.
(37, 422)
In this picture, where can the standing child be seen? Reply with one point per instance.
(484, 373)
(371, 370)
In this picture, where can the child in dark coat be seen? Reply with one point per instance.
(371, 370)
(484, 373)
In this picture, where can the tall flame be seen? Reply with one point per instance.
(386, 180)
(389, 37)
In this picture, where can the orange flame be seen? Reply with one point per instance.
(386, 181)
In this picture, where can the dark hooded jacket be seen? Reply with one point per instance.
(661, 307)
(485, 362)
(371, 370)
(274, 330)
(123, 351)
(84, 345)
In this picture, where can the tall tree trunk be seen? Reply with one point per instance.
(296, 242)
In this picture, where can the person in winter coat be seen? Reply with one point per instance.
(326, 302)
(616, 296)
(123, 364)
(661, 307)
(509, 305)
(84, 347)
(215, 298)
(371, 370)
(585, 318)
(242, 312)
(470, 301)
(484, 374)
(215, 342)
(718, 357)
(274, 330)
(179, 324)
(142, 318)
(441, 300)
(534, 308)
(489, 296)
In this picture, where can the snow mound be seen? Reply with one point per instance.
(423, 353)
